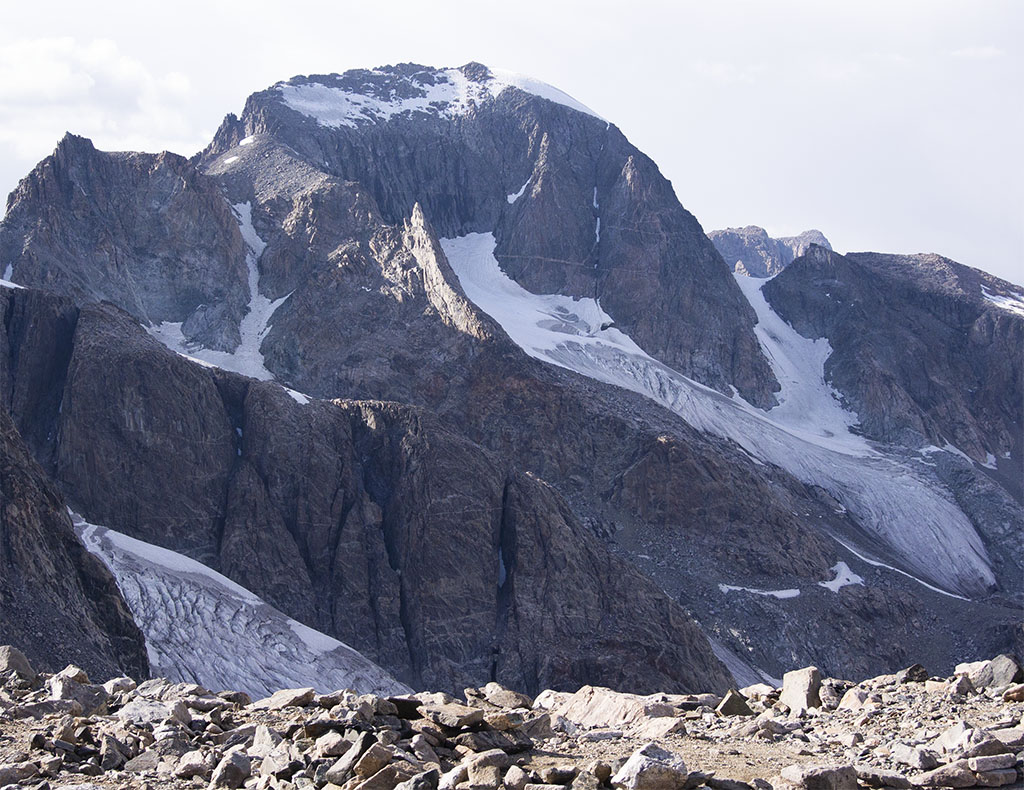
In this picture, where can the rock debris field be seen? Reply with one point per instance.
(904, 730)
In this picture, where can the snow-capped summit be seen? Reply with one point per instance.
(374, 96)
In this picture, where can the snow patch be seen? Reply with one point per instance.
(246, 140)
(230, 159)
(807, 404)
(446, 93)
(516, 195)
(1013, 304)
(299, 397)
(201, 627)
(9, 272)
(844, 577)
(6, 283)
(247, 358)
(781, 594)
(908, 512)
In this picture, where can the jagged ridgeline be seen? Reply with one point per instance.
(426, 378)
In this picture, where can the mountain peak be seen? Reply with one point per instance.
(751, 251)
(363, 96)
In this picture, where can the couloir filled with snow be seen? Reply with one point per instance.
(447, 93)
(807, 434)
(247, 358)
(201, 627)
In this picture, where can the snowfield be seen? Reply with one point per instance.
(447, 93)
(201, 627)
(807, 434)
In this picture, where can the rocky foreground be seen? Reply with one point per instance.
(893, 731)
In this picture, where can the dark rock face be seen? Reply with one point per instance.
(146, 231)
(753, 252)
(918, 351)
(365, 518)
(56, 600)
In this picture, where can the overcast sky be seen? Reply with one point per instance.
(893, 126)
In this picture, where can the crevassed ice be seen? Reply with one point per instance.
(451, 94)
(906, 511)
(201, 627)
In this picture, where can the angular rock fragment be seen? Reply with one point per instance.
(800, 690)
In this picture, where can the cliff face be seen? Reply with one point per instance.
(926, 350)
(57, 601)
(367, 520)
(145, 231)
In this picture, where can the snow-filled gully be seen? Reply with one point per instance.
(247, 358)
(807, 434)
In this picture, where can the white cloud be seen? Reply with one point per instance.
(52, 85)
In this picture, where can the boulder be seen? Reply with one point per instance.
(142, 711)
(997, 778)
(427, 780)
(914, 756)
(651, 768)
(733, 704)
(955, 774)
(13, 660)
(232, 771)
(594, 706)
(287, 698)
(453, 715)
(992, 762)
(196, 763)
(963, 740)
(800, 690)
(876, 777)
(820, 777)
(1000, 671)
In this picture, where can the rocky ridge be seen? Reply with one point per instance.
(751, 251)
(900, 731)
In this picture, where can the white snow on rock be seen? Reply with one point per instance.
(844, 577)
(1013, 304)
(246, 140)
(516, 195)
(781, 594)
(247, 358)
(807, 404)
(889, 498)
(447, 93)
(201, 627)
(877, 564)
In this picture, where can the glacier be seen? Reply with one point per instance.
(201, 627)
(807, 434)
